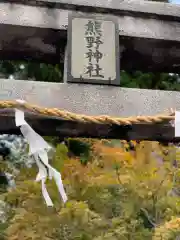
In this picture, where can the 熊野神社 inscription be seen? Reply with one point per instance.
(93, 50)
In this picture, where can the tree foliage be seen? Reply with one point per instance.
(117, 195)
(50, 73)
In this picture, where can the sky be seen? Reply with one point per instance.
(175, 1)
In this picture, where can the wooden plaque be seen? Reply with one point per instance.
(93, 49)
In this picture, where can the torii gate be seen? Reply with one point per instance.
(136, 36)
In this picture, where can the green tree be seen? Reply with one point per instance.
(162, 81)
(50, 73)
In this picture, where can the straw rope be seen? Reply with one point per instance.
(65, 115)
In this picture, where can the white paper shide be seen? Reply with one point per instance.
(177, 123)
(39, 148)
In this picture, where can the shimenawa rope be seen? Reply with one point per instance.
(69, 116)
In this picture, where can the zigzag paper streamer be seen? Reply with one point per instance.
(38, 147)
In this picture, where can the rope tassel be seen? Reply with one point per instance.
(38, 147)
